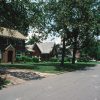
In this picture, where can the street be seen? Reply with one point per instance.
(78, 85)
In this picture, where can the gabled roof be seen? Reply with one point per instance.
(10, 46)
(46, 47)
(5, 32)
(29, 48)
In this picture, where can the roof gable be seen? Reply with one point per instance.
(46, 47)
(10, 47)
(29, 48)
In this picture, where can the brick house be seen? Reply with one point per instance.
(68, 52)
(12, 44)
(45, 50)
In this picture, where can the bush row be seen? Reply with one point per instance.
(53, 59)
(84, 59)
(27, 59)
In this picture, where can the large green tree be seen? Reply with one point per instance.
(74, 20)
(20, 14)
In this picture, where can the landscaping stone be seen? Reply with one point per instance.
(25, 75)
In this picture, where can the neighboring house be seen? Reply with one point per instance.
(45, 50)
(77, 53)
(12, 44)
(68, 52)
(29, 50)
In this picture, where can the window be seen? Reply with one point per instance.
(19, 43)
(18, 53)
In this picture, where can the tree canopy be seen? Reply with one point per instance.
(34, 39)
(20, 14)
(74, 20)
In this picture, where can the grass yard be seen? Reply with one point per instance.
(91, 62)
(47, 67)
(50, 67)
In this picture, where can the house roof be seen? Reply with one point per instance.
(46, 47)
(29, 48)
(5, 32)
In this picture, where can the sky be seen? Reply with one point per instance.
(54, 39)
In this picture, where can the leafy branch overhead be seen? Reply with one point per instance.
(76, 21)
(20, 14)
(34, 39)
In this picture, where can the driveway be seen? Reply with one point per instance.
(78, 85)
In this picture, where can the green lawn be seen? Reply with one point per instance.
(50, 67)
(91, 62)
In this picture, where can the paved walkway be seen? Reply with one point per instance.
(79, 85)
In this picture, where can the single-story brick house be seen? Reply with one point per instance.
(44, 50)
(12, 44)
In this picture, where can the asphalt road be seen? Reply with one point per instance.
(79, 85)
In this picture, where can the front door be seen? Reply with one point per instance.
(10, 56)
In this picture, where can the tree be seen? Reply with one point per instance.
(34, 39)
(73, 20)
(20, 14)
(92, 50)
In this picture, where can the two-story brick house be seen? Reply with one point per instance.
(12, 43)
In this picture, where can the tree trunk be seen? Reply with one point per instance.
(74, 46)
(97, 44)
(63, 53)
(74, 54)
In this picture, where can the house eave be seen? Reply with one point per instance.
(13, 37)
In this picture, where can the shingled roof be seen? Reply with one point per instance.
(46, 47)
(5, 32)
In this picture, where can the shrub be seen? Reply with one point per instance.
(83, 59)
(54, 59)
(27, 59)
(23, 59)
(3, 82)
(18, 59)
(69, 59)
(35, 59)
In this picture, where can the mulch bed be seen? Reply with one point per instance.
(26, 75)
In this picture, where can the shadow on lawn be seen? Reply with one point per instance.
(74, 67)
(56, 68)
(44, 68)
